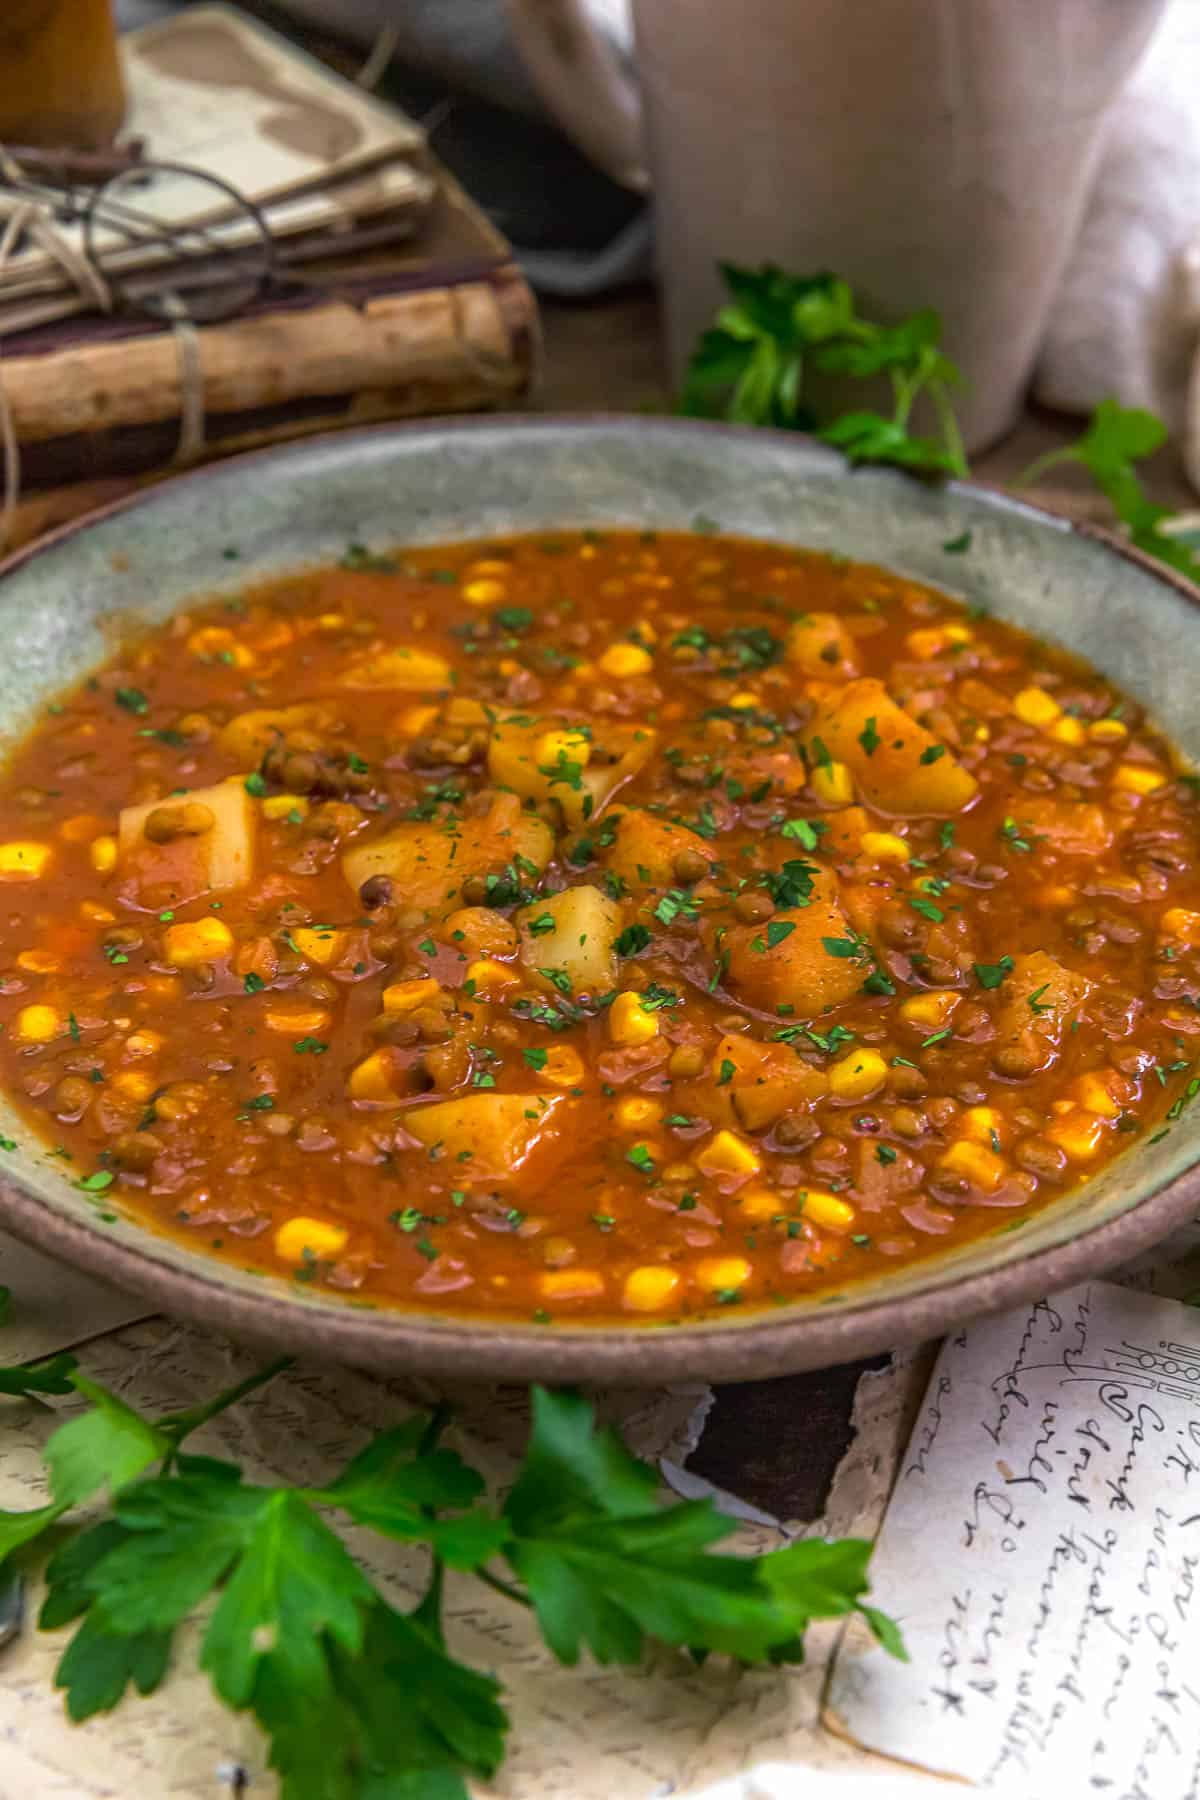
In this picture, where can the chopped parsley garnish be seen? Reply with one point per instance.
(990, 975)
(542, 924)
(869, 738)
(804, 831)
(641, 1158)
(885, 1154)
(926, 908)
(132, 699)
(792, 885)
(933, 753)
(253, 984)
(633, 939)
(1010, 831)
(310, 1046)
(726, 1072)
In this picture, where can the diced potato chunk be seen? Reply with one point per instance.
(488, 1137)
(534, 759)
(798, 971)
(644, 850)
(250, 735)
(767, 1081)
(884, 748)
(1041, 998)
(819, 645)
(1073, 827)
(401, 669)
(182, 868)
(579, 945)
(428, 863)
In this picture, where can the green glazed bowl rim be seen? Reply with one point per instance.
(188, 1284)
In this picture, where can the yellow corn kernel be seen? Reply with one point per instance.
(197, 941)
(927, 643)
(555, 747)
(629, 1022)
(1133, 778)
(1056, 894)
(832, 784)
(490, 979)
(981, 1124)
(743, 702)
(371, 1079)
(563, 1067)
(728, 1154)
(143, 1043)
(95, 914)
(217, 641)
(1034, 706)
(39, 962)
(571, 1284)
(857, 1075)
(959, 634)
(135, 1083)
(760, 1204)
(722, 1274)
(650, 1288)
(39, 1024)
(983, 734)
(625, 659)
(1078, 1133)
(296, 1021)
(1094, 1093)
(406, 996)
(981, 1166)
(885, 846)
(281, 806)
(1178, 922)
(1108, 731)
(484, 592)
(103, 854)
(305, 1240)
(933, 1009)
(638, 1113)
(827, 1210)
(321, 947)
(1068, 730)
(21, 861)
(489, 565)
(416, 719)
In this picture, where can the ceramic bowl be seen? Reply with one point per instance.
(61, 602)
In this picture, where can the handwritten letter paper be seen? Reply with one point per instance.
(1042, 1552)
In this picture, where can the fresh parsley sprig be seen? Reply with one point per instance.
(752, 367)
(1116, 440)
(357, 1698)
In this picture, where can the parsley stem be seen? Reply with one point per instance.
(949, 424)
(179, 1425)
(504, 1587)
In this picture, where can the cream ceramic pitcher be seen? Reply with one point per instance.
(935, 152)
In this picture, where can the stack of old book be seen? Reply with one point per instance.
(145, 321)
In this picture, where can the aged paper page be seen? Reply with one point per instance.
(1042, 1554)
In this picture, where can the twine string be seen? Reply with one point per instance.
(22, 215)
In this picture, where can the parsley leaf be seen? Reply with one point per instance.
(990, 975)
(632, 939)
(751, 366)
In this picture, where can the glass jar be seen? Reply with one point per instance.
(60, 76)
